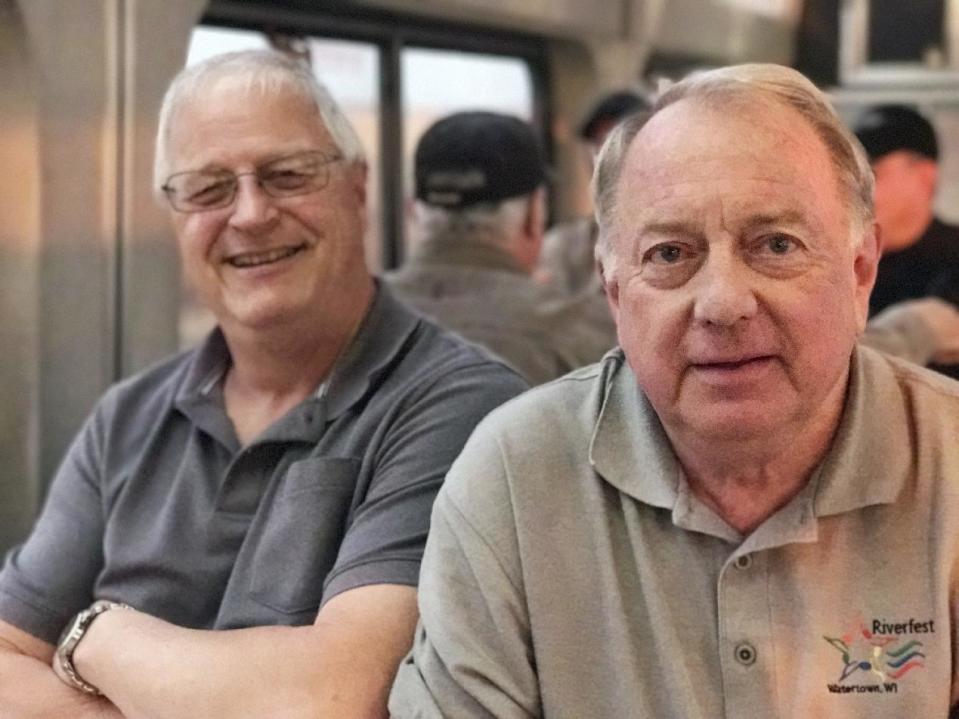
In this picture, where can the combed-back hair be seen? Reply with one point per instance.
(731, 86)
(266, 71)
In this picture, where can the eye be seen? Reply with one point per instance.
(207, 191)
(287, 179)
(665, 254)
(778, 244)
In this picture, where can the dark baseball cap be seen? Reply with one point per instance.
(472, 157)
(888, 128)
(610, 110)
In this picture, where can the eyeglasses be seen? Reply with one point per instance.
(199, 190)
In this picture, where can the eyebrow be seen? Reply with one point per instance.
(676, 228)
(215, 167)
(789, 217)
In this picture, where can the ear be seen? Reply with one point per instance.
(930, 176)
(865, 264)
(529, 244)
(610, 288)
(535, 225)
(358, 176)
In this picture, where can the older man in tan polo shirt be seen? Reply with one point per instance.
(741, 514)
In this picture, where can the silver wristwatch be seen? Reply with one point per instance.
(71, 637)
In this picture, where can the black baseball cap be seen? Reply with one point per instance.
(888, 128)
(472, 157)
(610, 110)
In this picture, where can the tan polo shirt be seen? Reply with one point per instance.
(569, 572)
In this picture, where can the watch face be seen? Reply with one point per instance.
(72, 632)
(68, 629)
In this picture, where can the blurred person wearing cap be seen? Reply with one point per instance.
(261, 501)
(478, 221)
(741, 511)
(919, 269)
(568, 261)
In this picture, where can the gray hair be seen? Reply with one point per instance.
(492, 223)
(745, 82)
(269, 72)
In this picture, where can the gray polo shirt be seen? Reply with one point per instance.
(570, 572)
(478, 291)
(157, 504)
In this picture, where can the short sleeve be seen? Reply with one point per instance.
(472, 655)
(51, 576)
(385, 540)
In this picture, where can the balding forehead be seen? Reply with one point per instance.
(694, 136)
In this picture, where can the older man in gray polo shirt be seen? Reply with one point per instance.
(277, 481)
(741, 514)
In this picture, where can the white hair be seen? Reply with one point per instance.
(267, 71)
(493, 223)
(746, 83)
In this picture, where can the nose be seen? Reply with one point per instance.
(724, 292)
(253, 209)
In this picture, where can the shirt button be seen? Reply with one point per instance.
(745, 653)
(743, 561)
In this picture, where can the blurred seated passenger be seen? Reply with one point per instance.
(276, 481)
(478, 219)
(924, 331)
(742, 512)
(920, 252)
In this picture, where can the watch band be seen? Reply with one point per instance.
(71, 637)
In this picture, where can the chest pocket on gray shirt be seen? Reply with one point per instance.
(302, 534)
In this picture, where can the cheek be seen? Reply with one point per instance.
(196, 235)
(823, 323)
(651, 329)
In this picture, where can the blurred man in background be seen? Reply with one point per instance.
(920, 252)
(479, 217)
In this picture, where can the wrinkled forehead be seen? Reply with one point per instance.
(231, 108)
(696, 140)
(236, 95)
(754, 161)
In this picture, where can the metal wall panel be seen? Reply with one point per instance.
(90, 285)
(19, 260)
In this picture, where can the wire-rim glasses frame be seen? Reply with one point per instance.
(289, 176)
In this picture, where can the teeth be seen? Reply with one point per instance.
(252, 259)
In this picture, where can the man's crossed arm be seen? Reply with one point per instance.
(341, 666)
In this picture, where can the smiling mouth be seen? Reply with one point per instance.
(266, 257)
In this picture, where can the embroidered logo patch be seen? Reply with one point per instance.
(876, 655)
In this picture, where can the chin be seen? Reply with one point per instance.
(740, 421)
(262, 318)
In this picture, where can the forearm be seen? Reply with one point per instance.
(154, 670)
(30, 690)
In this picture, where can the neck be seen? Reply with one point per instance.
(907, 231)
(746, 480)
(274, 370)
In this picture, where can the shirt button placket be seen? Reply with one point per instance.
(746, 636)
